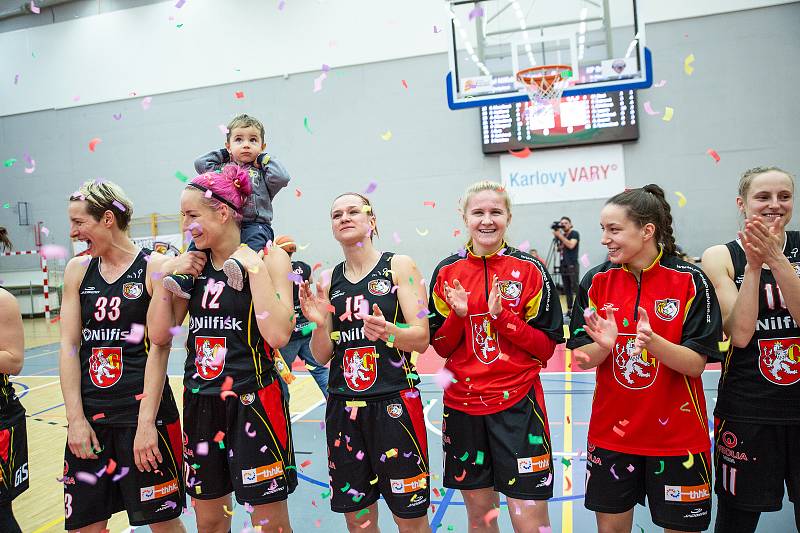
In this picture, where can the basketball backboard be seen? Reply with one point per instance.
(602, 41)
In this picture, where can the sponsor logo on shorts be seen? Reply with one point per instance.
(379, 287)
(411, 484)
(156, 492)
(416, 500)
(395, 410)
(633, 370)
(683, 493)
(696, 513)
(105, 366)
(531, 465)
(259, 474)
(132, 291)
(248, 398)
(667, 309)
(21, 475)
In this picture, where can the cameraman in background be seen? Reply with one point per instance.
(568, 241)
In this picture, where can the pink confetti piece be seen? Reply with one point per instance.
(32, 168)
(444, 378)
(86, 477)
(363, 308)
(117, 116)
(248, 508)
(262, 316)
(660, 84)
(713, 153)
(371, 187)
(202, 448)
(475, 13)
(93, 143)
(524, 246)
(223, 129)
(119, 206)
(136, 334)
(146, 101)
(585, 260)
(515, 274)
(649, 109)
(360, 455)
(491, 515)
(631, 468)
(405, 84)
(353, 412)
(53, 251)
(123, 471)
(429, 203)
(239, 95)
(76, 98)
(412, 394)
(263, 449)
(140, 397)
(545, 529)
(45, 231)
(663, 423)
(208, 194)
(396, 237)
(176, 330)
(100, 473)
(318, 82)
(250, 434)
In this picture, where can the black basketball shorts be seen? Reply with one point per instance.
(13, 461)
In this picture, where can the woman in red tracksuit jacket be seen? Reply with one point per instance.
(497, 320)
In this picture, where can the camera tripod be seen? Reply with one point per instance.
(554, 257)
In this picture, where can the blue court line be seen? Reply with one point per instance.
(436, 522)
(48, 409)
(22, 386)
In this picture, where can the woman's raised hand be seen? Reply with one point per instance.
(456, 298)
(315, 306)
(191, 263)
(603, 331)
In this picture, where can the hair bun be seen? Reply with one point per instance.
(652, 188)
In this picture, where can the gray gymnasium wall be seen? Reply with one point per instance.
(739, 101)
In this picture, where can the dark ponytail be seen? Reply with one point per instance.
(649, 205)
(4, 240)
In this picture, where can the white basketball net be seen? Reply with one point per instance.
(544, 86)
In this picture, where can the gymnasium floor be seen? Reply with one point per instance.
(568, 397)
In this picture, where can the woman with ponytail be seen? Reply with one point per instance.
(648, 321)
(237, 434)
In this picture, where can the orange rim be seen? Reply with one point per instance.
(542, 76)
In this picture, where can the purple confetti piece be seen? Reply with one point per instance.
(16, 78)
(34, 8)
(444, 378)
(412, 394)
(360, 455)
(383, 457)
(325, 68)
(249, 508)
(175, 330)
(614, 473)
(462, 252)
(171, 505)
(295, 277)
(631, 468)
(371, 187)
(119, 206)
(475, 13)
(322, 425)
(281, 5)
(399, 363)
(117, 116)
(263, 449)
(202, 448)
(396, 237)
(422, 313)
(250, 434)
(407, 455)
(123, 471)
(86, 477)
(157, 275)
(100, 472)
(180, 4)
(45, 231)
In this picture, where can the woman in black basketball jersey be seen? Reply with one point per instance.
(116, 423)
(371, 317)
(13, 439)
(757, 419)
(237, 434)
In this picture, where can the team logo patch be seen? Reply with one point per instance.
(360, 368)
(395, 410)
(779, 360)
(105, 366)
(796, 267)
(667, 309)
(632, 370)
(683, 493)
(210, 356)
(411, 484)
(158, 491)
(485, 344)
(248, 398)
(259, 474)
(379, 287)
(132, 290)
(510, 290)
(532, 465)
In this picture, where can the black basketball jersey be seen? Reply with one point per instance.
(301, 271)
(224, 339)
(361, 367)
(112, 369)
(11, 410)
(761, 382)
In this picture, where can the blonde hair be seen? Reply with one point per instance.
(485, 185)
(245, 121)
(752, 173)
(101, 196)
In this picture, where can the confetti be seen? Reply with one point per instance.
(306, 126)
(391, 453)
(396, 237)
(723, 346)
(52, 251)
(668, 112)
(318, 82)
(614, 473)
(32, 168)
(219, 436)
(140, 397)
(98, 416)
(429, 203)
(660, 467)
(444, 378)
(146, 101)
(687, 64)
(663, 423)
(688, 463)
(618, 431)
(681, 198)
(228, 512)
(512, 481)
(522, 154)
(346, 487)
(649, 110)
(93, 143)
(422, 233)
(464, 457)
(404, 83)
(568, 483)
(585, 260)
(462, 476)
(45, 231)
(566, 462)
(123, 471)
(86, 477)
(362, 512)
(631, 468)
(534, 439)
(8, 163)
(436, 30)
(491, 515)
(175, 330)
(479, 458)
(239, 95)
(685, 408)
(181, 176)
(625, 322)
(371, 187)
(713, 153)
(202, 448)
(475, 13)
(136, 334)
(660, 84)
(387, 136)
(360, 455)
(366, 524)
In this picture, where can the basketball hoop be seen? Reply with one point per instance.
(545, 83)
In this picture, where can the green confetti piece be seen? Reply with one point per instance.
(578, 331)
(660, 467)
(307, 127)
(505, 395)
(450, 528)
(479, 458)
(195, 466)
(196, 390)
(454, 380)
(9, 162)
(412, 375)
(391, 338)
(346, 487)
(221, 445)
(464, 457)
(6, 205)
(179, 26)
(467, 380)
(534, 439)
(410, 280)
(181, 176)
(402, 326)
(625, 322)
(291, 467)
(308, 328)
(325, 494)
(357, 498)
(566, 462)
(362, 512)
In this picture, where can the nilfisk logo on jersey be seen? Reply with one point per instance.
(105, 366)
(248, 398)
(216, 322)
(779, 360)
(667, 309)
(132, 290)
(156, 492)
(360, 368)
(532, 465)
(633, 370)
(209, 360)
(485, 344)
(683, 493)
(411, 484)
(259, 474)
(104, 334)
(510, 290)
(395, 410)
(379, 287)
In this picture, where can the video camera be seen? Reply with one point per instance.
(556, 225)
